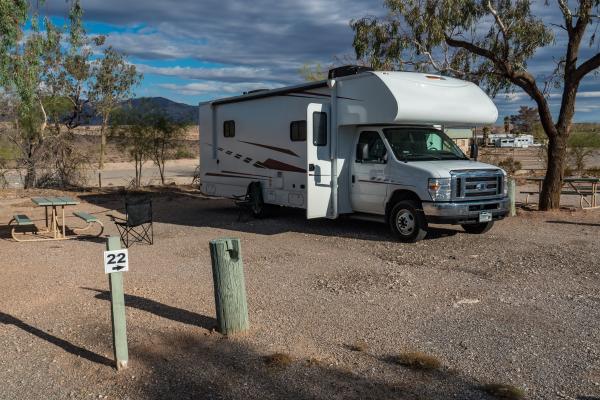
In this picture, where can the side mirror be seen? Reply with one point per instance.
(362, 151)
(474, 151)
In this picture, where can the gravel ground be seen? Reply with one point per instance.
(518, 306)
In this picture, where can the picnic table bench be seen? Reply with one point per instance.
(53, 226)
(585, 188)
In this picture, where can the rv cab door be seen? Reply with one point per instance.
(318, 160)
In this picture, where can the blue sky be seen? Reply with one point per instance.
(191, 51)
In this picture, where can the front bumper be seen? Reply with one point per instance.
(464, 212)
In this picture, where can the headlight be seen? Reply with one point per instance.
(439, 189)
(505, 185)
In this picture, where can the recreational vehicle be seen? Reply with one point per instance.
(521, 141)
(362, 143)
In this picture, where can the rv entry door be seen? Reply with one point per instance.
(318, 159)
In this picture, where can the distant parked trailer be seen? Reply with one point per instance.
(522, 141)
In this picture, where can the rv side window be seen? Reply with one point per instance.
(370, 148)
(320, 129)
(298, 131)
(229, 128)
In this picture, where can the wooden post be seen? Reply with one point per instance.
(117, 310)
(230, 290)
(512, 192)
(100, 179)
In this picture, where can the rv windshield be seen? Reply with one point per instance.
(422, 144)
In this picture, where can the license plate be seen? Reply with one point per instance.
(485, 216)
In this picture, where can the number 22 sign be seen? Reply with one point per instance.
(116, 261)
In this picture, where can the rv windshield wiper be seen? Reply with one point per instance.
(423, 156)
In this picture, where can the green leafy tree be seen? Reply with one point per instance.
(507, 125)
(133, 127)
(166, 134)
(486, 134)
(113, 82)
(13, 15)
(70, 75)
(312, 73)
(490, 43)
(581, 146)
(525, 120)
(26, 65)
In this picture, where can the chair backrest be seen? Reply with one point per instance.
(138, 212)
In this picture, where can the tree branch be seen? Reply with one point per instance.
(567, 14)
(587, 67)
(435, 64)
(480, 51)
(502, 27)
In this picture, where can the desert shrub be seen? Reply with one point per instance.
(580, 147)
(360, 346)
(503, 392)
(593, 171)
(510, 165)
(3, 172)
(278, 360)
(568, 171)
(182, 153)
(66, 165)
(417, 360)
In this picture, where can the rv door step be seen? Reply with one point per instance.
(367, 217)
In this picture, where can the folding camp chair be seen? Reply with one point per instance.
(137, 225)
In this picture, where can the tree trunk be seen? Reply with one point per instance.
(161, 171)
(557, 154)
(30, 176)
(30, 169)
(102, 145)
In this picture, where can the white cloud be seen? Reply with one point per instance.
(212, 87)
(227, 74)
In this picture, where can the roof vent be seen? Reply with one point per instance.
(347, 70)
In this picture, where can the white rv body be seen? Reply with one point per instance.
(298, 173)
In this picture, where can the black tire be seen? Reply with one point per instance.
(407, 221)
(478, 229)
(258, 208)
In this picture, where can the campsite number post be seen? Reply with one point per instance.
(116, 261)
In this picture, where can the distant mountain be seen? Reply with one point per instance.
(178, 111)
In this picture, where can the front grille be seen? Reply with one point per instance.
(476, 184)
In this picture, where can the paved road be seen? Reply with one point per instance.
(121, 174)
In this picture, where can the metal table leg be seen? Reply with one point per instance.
(63, 222)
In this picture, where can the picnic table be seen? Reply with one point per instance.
(583, 187)
(53, 203)
(54, 226)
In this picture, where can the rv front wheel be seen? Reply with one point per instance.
(408, 222)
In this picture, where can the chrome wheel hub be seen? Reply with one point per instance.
(405, 222)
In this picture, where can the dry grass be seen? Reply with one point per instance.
(278, 360)
(503, 392)
(417, 360)
(359, 345)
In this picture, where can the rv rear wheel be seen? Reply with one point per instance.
(478, 228)
(257, 205)
(408, 222)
